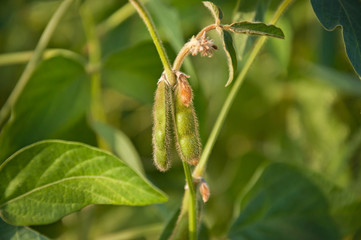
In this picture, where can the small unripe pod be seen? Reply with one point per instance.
(161, 121)
(186, 124)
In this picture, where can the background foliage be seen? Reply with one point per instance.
(288, 155)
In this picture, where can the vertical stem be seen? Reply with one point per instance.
(192, 211)
(35, 59)
(143, 13)
(94, 50)
(198, 171)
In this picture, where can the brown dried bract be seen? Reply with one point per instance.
(185, 90)
(204, 190)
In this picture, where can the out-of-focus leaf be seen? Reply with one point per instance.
(260, 29)
(344, 13)
(345, 205)
(284, 204)
(281, 50)
(227, 41)
(51, 105)
(168, 230)
(134, 71)
(10, 232)
(120, 144)
(341, 81)
(170, 23)
(215, 11)
(48, 180)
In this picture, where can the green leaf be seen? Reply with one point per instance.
(215, 10)
(344, 13)
(134, 71)
(284, 205)
(10, 232)
(169, 22)
(228, 47)
(120, 144)
(52, 105)
(171, 224)
(47, 180)
(345, 205)
(350, 84)
(253, 11)
(260, 29)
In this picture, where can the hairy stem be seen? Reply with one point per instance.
(35, 59)
(143, 13)
(199, 170)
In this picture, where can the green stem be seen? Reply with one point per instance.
(94, 50)
(192, 211)
(143, 13)
(35, 59)
(199, 170)
(23, 57)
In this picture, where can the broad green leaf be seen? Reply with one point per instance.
(52, 105)
(284, 205)
(344, 13)
(260, 29)
(120, 144)
(47, 180)
(228, 47)
(215, 11)
(10, 232)
(345, 205)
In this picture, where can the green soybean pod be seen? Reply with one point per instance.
(186, 124)
(161, 137)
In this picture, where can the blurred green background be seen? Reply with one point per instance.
(300, 104)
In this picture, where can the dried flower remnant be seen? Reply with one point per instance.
(204, 190)
(204, 46)
(185, 90)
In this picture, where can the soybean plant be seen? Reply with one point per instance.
(174, 116)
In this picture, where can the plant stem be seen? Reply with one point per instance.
(23, 57)
(199, 170)
(35, 59)
(192, 211)
(143, 13)
(94, 50)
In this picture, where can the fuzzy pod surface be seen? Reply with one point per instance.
(161, 122)
(186, 127)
